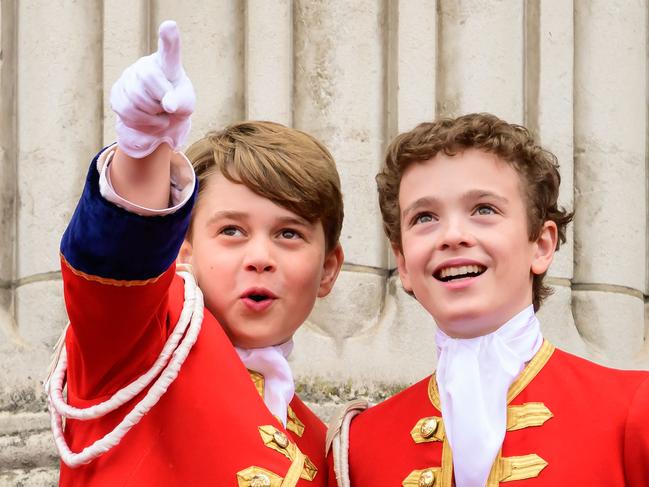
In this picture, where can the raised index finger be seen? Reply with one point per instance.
(169, 50)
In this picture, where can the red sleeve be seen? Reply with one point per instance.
(117, 331)
(636, 440)
(117, 269)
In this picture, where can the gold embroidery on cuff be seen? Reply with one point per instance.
(527, 415)
(258, 477)
(427, 477)
(428, 429)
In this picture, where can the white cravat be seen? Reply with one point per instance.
(271, 362)
(473, 376)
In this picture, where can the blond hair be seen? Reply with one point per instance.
(284, 165)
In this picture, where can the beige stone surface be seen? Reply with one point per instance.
(558, 323)
(549, 100)
(26, 477)
(339, 86)
(213, 47)
(353, 74)
(26, 352)
(612, 326)
(481, 58)
(610, 143)
(391, 343)
(33, 450)
(269, 60)
(125, 38)
(58, 122)
(411, 62)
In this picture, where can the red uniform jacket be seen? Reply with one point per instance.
(570, 422)
(211, 428)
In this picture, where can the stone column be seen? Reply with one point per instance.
(7, 169)
(339, 98)
(59, 128)
(269, 60)
(611, 177)
(481, 58)
(126, 37)
(213, 56)
(549, 115)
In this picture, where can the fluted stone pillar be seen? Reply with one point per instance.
(611, 177)
(269, 60)
(549, 114)
(481, 58)
(213, 57)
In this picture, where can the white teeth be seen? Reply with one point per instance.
(460, 270)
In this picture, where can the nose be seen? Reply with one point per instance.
(259, 256)
(454, 233)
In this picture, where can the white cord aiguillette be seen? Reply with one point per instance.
(166, 368)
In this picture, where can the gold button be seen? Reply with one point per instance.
(260, 480)
(280, 438)
(428, 428)
(427, 478)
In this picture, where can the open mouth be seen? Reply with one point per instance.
(258, 295)
(258, 298)
(456, 273)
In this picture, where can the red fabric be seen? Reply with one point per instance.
(599, 434)
(203, 430)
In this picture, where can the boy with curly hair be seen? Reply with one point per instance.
(470, 208)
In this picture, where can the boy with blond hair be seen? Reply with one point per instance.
(162, 389)
(470, 208)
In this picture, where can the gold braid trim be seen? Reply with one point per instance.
(510, 468)
(107, 281)
(258, 477)
(527, 415)
(276, 440)
(293, 423)
(427, 477)
(507, 469)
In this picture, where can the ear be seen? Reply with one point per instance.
(331, 268)
(186, 253)
(401, 267)
(545, 247)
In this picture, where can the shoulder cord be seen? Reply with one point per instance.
(170, 360)
(337, 439)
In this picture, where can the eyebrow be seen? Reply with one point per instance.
(239, 215)
(474, 194)
(479, 194)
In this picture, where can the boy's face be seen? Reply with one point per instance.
(466, 250)
(260, 266)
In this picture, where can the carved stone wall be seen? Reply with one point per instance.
(354, 74)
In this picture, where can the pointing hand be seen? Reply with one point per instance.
(154, 98)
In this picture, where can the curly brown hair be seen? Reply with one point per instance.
(537, 167)
(287, 166)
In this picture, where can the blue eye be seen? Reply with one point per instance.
(422, 218)
(485, 210)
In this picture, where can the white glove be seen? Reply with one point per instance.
(154, 98)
